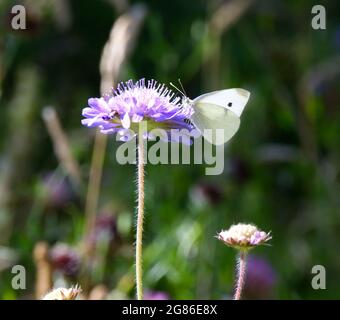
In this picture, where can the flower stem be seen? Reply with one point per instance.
(98, 156)
(241, 273)
(140, 218)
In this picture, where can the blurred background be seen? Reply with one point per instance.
(66, 225)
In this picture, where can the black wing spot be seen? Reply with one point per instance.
(230, 104)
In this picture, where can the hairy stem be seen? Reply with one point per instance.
(241, 274)
(140, 218)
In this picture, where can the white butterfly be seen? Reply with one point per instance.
(218, 110)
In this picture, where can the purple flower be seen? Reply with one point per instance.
(105, 228)
(337, 37)
(132, 103)
(65, 259)
(156, 295)
(260, 280)
(58, 191)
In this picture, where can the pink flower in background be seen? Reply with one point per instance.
(156, 295)
(65, 259)
(261, 279)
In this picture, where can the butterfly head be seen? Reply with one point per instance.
(186, 102)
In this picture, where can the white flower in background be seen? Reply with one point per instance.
(243, 236)
(63, 294)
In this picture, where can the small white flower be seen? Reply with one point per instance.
(63, 294)
(243, 236)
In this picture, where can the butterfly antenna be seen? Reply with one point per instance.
(180, 82)
(183, 93)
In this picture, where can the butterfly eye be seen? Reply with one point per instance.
(230, 104)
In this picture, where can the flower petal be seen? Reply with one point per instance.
(126, 121)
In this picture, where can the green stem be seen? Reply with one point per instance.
(140, 218)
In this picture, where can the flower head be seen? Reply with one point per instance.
(156, 295)
(65, 259)
(106, 226)
(63, 294)
(243, 236)
(132, 103)
(58, 191)
(260, 280)
(104, 231)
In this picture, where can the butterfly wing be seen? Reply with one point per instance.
(208, 117)
(233, 99)
(219, 110)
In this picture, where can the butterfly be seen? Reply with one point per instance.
(217, 110)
